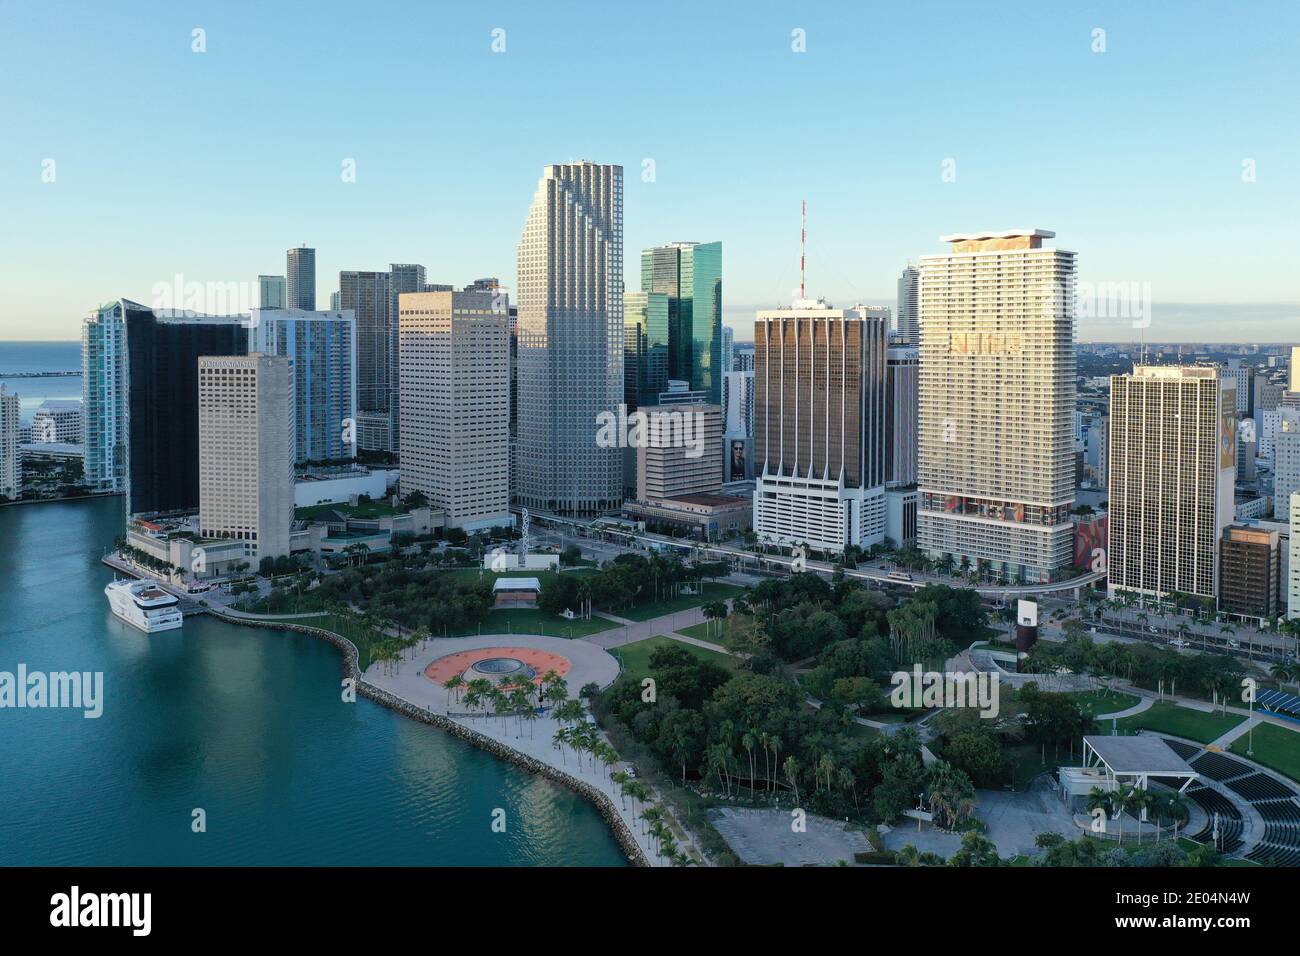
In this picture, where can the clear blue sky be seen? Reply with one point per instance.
(211, 165)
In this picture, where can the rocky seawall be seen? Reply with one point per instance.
(602, 801)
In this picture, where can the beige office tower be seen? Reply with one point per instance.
(454, 349)
(1173, 466)
(247, 441)
(819, 426)
(570, 352)
(996, 405)
(682, 451)
(1294, 371)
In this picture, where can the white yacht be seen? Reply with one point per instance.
(145, 605)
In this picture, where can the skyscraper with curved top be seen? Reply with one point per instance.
(570, 361)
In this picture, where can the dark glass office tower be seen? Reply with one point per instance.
(645, 348)
(369, 296)
(300, 278)
(690, 274)
(163, 404)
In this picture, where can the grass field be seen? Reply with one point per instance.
(1168, 718)
(635, 658)
(371, 509)
(533, 621)
(708, 592)
(1275, 747)
(1096, 702)
(704, 631)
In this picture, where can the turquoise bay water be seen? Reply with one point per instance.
(245, 723)
(40, 357)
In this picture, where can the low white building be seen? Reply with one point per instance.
(336, 486)
(58, 420)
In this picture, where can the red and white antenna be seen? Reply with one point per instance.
(803, 246)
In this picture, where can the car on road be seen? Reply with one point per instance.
(1235, 645)
(1179, 642)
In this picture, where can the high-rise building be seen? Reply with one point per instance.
(405, 277)
(368, 296)
(246, 451)
(1173, 466)
(1294, 370)
(1244, 376)
(1293, 569)
(682, 454)
(272, 292)
(11, 479)
(690, 274)
(645, 348)
(1248, 572)
(323, 349)
(996, 458)
(909, 306)
(819, 426)
(300, 279)
(742, 357)
(58, 420)
(140, 400)
(1286, 458)
(738, 426)
(728, 348)
(455, 431)
(570, 371)
(901, 394)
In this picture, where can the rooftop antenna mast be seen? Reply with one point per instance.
(803, 246)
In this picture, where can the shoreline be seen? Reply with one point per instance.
(626, 841)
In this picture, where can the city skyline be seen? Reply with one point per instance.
(1114, 179)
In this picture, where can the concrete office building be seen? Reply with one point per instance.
(1173, 463)
(682, 453)
(819, 426)
(1249, 562)
(996, 462)
(455, 431)
(1286, 458)
(246, 452)
(323, 349)
(571, 335)
(300, 279)
(58, 420)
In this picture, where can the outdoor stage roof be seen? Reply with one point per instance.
(1139, 755)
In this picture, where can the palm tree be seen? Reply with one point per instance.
(748, 739)
(1098, 799)
(791, 768)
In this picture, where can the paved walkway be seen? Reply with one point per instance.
(1240, 730)
(588, 663)
(1144, 704)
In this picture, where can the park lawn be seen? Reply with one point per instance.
(532, 621)
(704, 631)
(1275, 747)
(371, 509)
(1094, 702)
(1166, 717)
(709, 591)
(635, 658)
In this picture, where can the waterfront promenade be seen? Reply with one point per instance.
(534, 739)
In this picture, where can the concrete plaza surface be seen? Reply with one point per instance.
(763, 837)
(588, 664)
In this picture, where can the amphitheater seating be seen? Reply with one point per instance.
(1279, 811)
(1186, 751)
(1260, 786)
(1218, 767)
(1230, 823)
